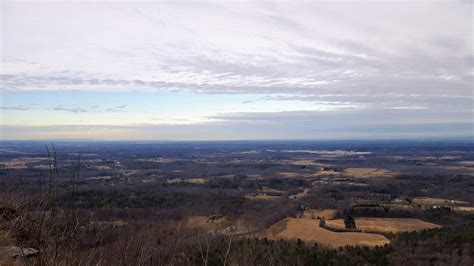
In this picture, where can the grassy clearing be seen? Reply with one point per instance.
(261, 197)
(309, 230)
(393, 225)
(197, 181)
(201, 223)
(367, 172)
(437, 201)
(464, 209)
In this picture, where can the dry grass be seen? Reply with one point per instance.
(393, 225)
(271, 190)
(261, 197)
(438, 201)
(309, 230)
(464, 209)
(198, 181)
(303, 194)
(325, 172)
(23, 162)
(201, 223)
(367, 172)
(149, 180)
(288, 174)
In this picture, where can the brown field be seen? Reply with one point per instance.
(254, 177)
(303, 193)
(198, 181)
(300, 175)
(219, 226)
(22, 163)
(393, 225)
(200, 222)
(149, 180)
(288, 174)
(261, 197)
(323, 172)
(367, 172)
(464, 209)
(309, 230)
(271, 190)
(438, 201)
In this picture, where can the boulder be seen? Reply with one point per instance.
(14, 252)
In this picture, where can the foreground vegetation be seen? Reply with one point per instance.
(68, 236)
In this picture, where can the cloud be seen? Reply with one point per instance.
(249, 48)
(379, 60)
(72, 109)
(15, 108)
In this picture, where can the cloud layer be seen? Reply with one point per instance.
(365, 58)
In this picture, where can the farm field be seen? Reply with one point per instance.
(309, 230)
(189, 180)
(201, 223)
(438, 201)
(464, 209)
(367, 172)
(219, 226)
(393, 225)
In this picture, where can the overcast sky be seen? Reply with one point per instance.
(236, 70)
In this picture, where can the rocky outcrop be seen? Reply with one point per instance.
(14, 252)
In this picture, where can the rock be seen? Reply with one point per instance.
(15, 252)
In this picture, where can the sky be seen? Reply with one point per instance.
(236, 70)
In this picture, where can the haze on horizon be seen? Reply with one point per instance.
(236, 70)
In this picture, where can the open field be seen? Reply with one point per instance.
(198, 181)
(393, 225)
(23, 162)
(464, 209)
(437, 201)
(367, 172)
(302, 194)
(201, 223)
(327, 172)
(252, 196)
(219, 226)
(309, 230)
